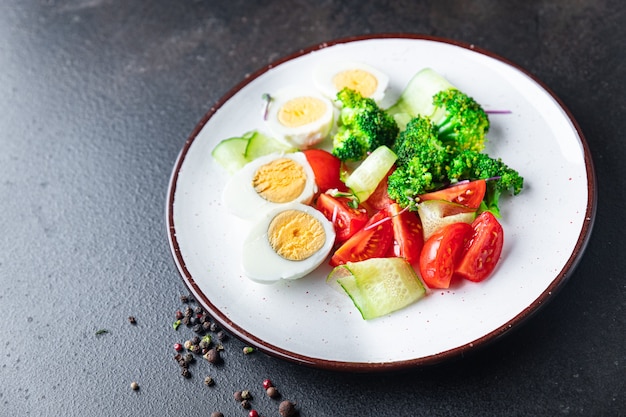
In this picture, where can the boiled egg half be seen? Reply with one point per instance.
(268, 182)
(300, 117)
(288, 242)
(330, 78)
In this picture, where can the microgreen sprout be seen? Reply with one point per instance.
(268, 100)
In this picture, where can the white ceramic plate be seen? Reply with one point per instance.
(546, 227)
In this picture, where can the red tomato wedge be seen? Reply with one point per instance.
(483, 250)
(372, 241)
(408, 236)
(469, 194)
(441, 254)
(380, 199)
(327, 168)
(347, 220)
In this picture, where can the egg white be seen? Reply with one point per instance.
(324, 73)
(305, 136)
(241, 199)
(262, 264)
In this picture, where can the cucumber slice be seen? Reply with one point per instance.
(417, 97)
(379, 286)
(365, 178)
(230, 153)
(261, 145)
(435, 214)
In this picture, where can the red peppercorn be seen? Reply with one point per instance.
(178, 347)
(267, 383)
(253, 413)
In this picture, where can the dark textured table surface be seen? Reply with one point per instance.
(97, 97)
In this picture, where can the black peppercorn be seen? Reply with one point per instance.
(185, 372)
(212, 356)
(272, 392)
(287, 409)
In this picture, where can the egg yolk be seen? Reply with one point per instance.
(280, 181)
(301, 111)
(296, 235)
(356, 79)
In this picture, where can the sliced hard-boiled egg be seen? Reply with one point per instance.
(330, 78)
(269, 181)
(287, 243)
(300, 117)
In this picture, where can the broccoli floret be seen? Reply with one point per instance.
(362, 127)
(460, 121)
(422, 162)
(473, 165)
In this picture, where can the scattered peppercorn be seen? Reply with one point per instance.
(208, 381)
(134, 386)
(253, 413)
(176, 324)
(132, 320)
(272, 392)
(188, 312)
(185, 372)
(247, 350)
(212, 356)
(246, 404)
(184, 299)
(216, 414)
(287, 409)
(198, 328)
(237, 396)
(101, 331)
(178, 347)
(189, 358)
(245, 394)
(179, 315)
(221, 335)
